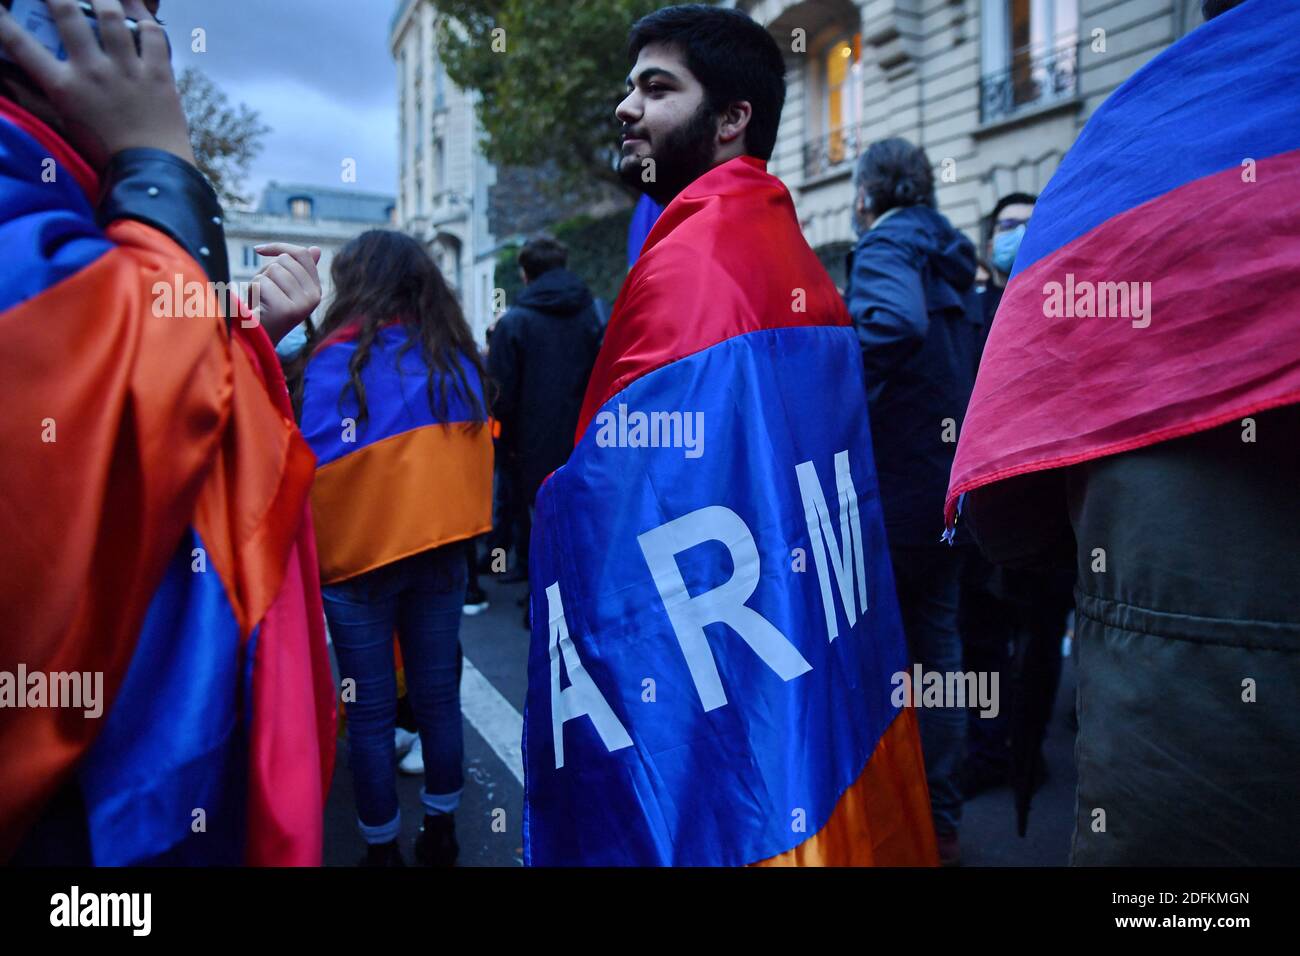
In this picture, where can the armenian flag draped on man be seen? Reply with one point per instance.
(714, 621)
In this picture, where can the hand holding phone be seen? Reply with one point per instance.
(115, 89)
(36, 18)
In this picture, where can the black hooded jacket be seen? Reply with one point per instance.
(920, 324)
(540, 357)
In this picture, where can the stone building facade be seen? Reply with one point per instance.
(995, 90)
(444, 182)
(462, 207)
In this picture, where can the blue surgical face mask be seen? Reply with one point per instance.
(1005, 247)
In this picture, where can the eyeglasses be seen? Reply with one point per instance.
(1007, 225)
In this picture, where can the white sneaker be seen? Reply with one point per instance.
(404, 740)
(413, 762)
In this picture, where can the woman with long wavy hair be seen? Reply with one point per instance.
(391, 397)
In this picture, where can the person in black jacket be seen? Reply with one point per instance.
(543, 350)
(1011, 620)
(919, 321)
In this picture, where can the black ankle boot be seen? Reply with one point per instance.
(382, 854)
(436, 844)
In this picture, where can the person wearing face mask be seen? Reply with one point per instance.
(1007, 224)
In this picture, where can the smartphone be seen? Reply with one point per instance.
(35, 16)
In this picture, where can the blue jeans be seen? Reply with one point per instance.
(419, 599)
(928, 582)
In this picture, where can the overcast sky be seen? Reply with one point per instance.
(319, 72)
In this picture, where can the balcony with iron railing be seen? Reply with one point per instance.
(450, 205)
(836, 149)
(1035, 78)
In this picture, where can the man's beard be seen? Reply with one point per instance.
(685, 155)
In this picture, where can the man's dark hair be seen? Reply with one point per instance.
(733, 57)
(1011, 199)
(894, 173)
(990, 222)
(541, 255)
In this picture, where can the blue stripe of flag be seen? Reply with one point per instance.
(758, 775)
(47, 227)
(172, 754)
(396, 396)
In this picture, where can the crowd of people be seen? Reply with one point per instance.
(204, 509)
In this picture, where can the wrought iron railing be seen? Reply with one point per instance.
(833, 150)
(1034, 78)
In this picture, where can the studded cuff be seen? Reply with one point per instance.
(162, 190)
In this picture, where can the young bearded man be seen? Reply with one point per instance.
(154, 521)
(700, 693)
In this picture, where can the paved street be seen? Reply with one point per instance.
(493, 688)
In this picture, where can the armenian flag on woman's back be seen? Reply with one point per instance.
(404, 464)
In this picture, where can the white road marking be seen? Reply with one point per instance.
(494, 718)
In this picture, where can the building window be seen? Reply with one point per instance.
(439, 86)
(439, 165)
(300, 207)
(1030, 55)
(838, 83)
(250, 257)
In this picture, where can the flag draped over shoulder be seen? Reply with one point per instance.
(403, 481)
(154, 526)
(1157, 291)
(714, 620)
(643, 220)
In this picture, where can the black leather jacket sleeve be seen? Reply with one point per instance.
(161, 190)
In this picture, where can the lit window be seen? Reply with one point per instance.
(842, 105)
(300, 208)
